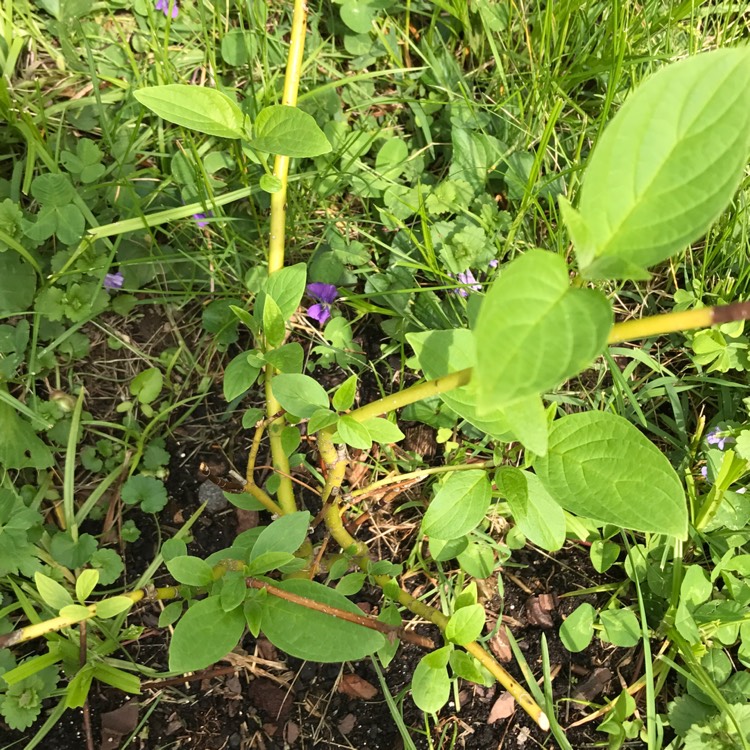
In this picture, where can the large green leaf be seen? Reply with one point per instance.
(309, 634)
(195, 107)
(665, 167)
(601, 467)
(281, 129)
(205, 634)
(536, 514)
(534, 331)
(458, 506)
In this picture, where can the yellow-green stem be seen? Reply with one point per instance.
(336, 464)
(276, 245)
(58, 623)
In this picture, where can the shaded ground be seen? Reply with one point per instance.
(260, 698)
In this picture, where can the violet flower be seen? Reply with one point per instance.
(163, 6)
(467, 278)
(715, 437)
(704, 472)
(113, 280)
(326, 294)
(202, 219)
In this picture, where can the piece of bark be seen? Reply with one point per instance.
(537, 612)
(500, 646)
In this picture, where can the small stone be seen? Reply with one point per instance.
(213, 496)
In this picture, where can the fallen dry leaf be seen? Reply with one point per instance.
(347, 724)
(117, 723)
(356, 687)
(502, 708)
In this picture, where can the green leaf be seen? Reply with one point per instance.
(273, 322)
(343, 398)
(443, 352)
(76, 612)
(148, 491)
(285, 534)
(666, 166)
(320, 419)
(353, 433)
(170, 614)
(70, 553)
(233, 590)
(351, 584)
(78, 688)
(239, 376)
(286, 286)
(465, 624)
(299, 395)
(468, 668)
(192, 571)
(578, 629)
(113, 606)
(603, 554)
(621, 627)
(459, 505)
(53, 594)
(358, 15)
(383, 430)
(281, 129)
(601, 467)
(204, 634)
(430, 685)
(537, 515)
(477, 560)
(287, 358)
(85, 584)
(20, 448)
(268, 561)
(270, 184)
(205, 110)
(313, 635)
(147, 385)
(534, 331)
(17, 284)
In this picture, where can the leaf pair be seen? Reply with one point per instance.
(277, 129)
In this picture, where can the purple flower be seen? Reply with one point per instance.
(715, 437)
(202, 219)
(326, 294)
(493, 263)
(163, 6)
(704, 472)
(467, 277)
(113, 280)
